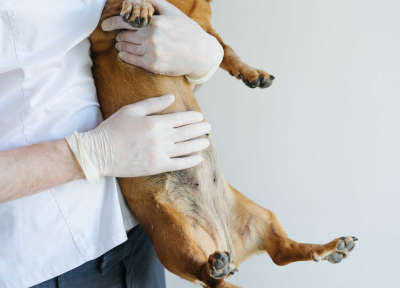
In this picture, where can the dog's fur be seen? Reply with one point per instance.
(202, 228)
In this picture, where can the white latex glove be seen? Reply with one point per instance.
(173, 44)
(133, 143)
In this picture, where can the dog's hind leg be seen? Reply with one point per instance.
(236, 67)
(258, 229)
(283, 250)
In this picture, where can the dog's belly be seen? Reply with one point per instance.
(199, 197)
(203, 197)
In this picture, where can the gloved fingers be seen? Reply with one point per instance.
(181, 163)
(116, 23)
(135, 49)
(189, 147)
(178, 119)
(192, 131)
(152, 105)
(135, 37)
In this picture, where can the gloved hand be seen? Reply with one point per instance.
(131, 143)
(173, 44)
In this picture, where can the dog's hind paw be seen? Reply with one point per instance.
(342, 248)
(221, 265)
(138, 13)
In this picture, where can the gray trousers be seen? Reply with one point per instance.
(133, 264)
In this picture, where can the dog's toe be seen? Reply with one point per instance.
(138, 15)
(266, 82)
(126, 16)
(126, 10)
(247, 82)
(135, 22)
(335, 258)
(255, 83)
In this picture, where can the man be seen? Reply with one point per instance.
(56, 228)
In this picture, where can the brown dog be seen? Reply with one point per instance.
(202, 228)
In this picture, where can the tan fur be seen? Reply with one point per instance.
(191, 214)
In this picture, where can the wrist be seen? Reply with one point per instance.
(83, 147)
(210, 59)
(67, 154)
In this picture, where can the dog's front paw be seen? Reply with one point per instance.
(250, 76)
(138, 13)
(342, 248)
(256, 78)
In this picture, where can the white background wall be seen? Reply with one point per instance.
(321, 148)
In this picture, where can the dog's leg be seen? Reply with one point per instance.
(236, 67)
(139, 13)
(283, 250)
(258, 229)
(200, 11)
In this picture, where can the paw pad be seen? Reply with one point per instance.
(343, 248)
(220, 265)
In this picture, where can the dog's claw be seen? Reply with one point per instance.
(137, 21)
(255, 83)
(126, 17)
(233, 271)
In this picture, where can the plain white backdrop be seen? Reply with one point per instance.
(321, 147)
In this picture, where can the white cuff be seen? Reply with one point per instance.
(90, 170)
(203, 79)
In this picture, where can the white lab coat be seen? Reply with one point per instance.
(47, 92)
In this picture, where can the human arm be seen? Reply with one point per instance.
(130, 143)
(26, 170)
